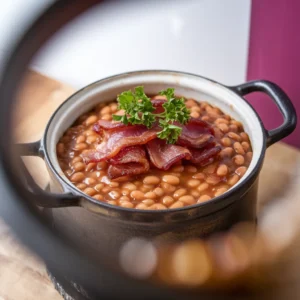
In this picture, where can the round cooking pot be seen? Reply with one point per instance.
(103, 227)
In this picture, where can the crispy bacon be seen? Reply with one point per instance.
(115, 140)
(158, 105)
(206, 155)
(196, 134)
(107, 125)
(129, 161)
(164, 155)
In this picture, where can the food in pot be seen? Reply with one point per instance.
(154, 153)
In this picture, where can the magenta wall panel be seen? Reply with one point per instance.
(274, 54)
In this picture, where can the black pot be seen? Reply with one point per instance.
(104, 228)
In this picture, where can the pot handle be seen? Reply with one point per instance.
(281, 100)
(39, 196)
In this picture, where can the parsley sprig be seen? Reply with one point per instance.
(139, 110)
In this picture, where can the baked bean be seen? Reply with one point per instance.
(112, 202)
(203, 198)
(190, 169)
(60, 148)
(69, 172)
(205, 118)
(125, 192)
(80, 139)
(196, 108)
(113, 107)
(238, 148)
(195, 114)
(234, 136)
(146, 188)
(150, 195)
(249, 156)
(190, 103)
(92, 139)
(99, 187)
(195, 193)
(239, 160)
(141, 206)
(106, 189)
(244, 136)
(241, 171)
(90, 191)
(137, 183)
(179, 193)
(221, 120)
(126, 204)
(226, 152)
(106, 117)
(218, 133)
(90, 167)
(233, 128)
(79, 166)
(159, 191)
(170, 179)
(98, 197)
(168, 200)
(151, 180)
(90, 181)
(105, 110)
(233, 180)
(236, 123)
(77, 177)
(193, 183)
(178, 169)
(148, 202)
(177, 204)
(81, 186)
(210, 169)
(168, 188)
(200, 176)
(223, 127)
(212, 179)
(203, 186)
(187, 199)
(91, 120)
(124, 198)
(220, 191)
(114, 184)
(157, 206)
(222, 170)
(226, 141)
(80, 146)
(245, 146)
(89, 132)
(129, 186)
(76, 159)
(137, 195)
(114, 195)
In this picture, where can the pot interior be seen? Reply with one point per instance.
(187, 85)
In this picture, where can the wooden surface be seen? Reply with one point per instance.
(22, 274)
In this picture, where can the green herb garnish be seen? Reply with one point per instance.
(139, 110)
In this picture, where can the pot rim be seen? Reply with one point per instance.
(237, 188)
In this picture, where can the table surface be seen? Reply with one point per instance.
(23, 275)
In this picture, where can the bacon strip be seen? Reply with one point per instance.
(129, 161)
(196, 134)
(163, 155)
(115, 140)
(206, 155)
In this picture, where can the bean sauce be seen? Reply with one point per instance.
(182, 185)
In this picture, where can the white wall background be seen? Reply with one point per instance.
(208, 37)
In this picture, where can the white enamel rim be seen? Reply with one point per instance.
(188, 85)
